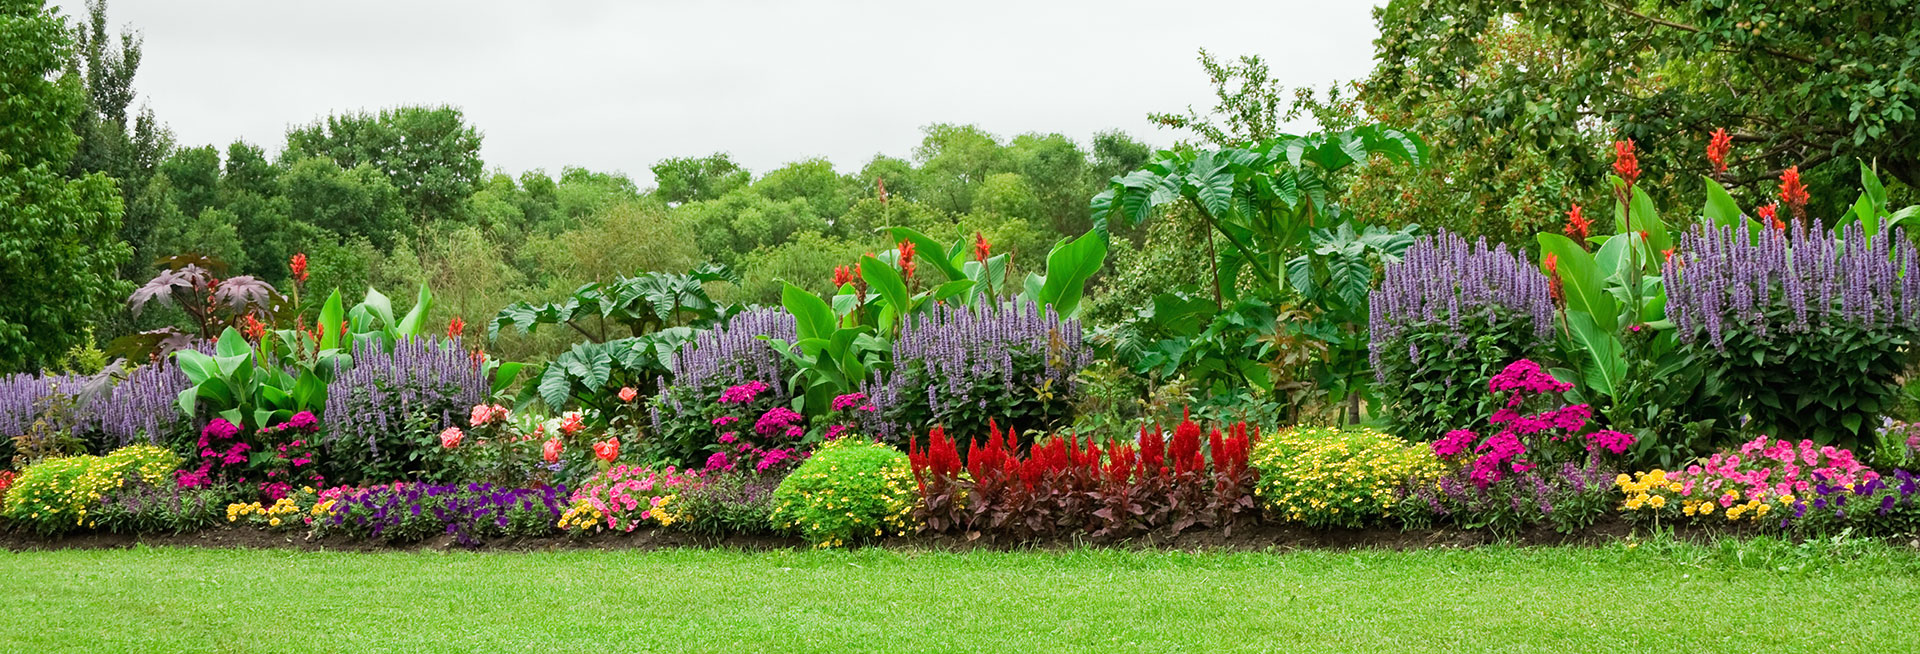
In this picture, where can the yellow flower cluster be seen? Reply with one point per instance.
(849, 489)
(581, 517)
(59, 493)
(281, 512)
(1656, 490)
(1330, 476)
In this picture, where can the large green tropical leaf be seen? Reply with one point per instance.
(1580, 279)
(1069, 266)
(812, 317)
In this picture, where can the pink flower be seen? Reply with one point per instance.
(742, 393)
(570, 423)
(627, 394)
(728, 437)
(718, 461)
(723, 421)
(835, 431)
(551, 450)
(848, 401)
(776, 420)
(1454, 443)
(451, 437)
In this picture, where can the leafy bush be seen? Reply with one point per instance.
(1326, 476)
(143, 508)
(724, 502)
(59, 494)
(1810, 330)
(1443, 318)
(851, 489)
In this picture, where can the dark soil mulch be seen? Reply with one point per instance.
(1256, 537)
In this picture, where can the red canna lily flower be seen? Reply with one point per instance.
(842, 276)
(1554, 287)
(1793, 192)
(1626, 164)
(906, 259)
(456, 327)
(299, 266)
(1770, 214)
(1717, 149)
(981, 248)
(1578, 226)
(254, 329)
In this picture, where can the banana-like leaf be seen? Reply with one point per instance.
(1580, 278)
(415, 321)
(1069, 267)
(1605, 364)
(332, 316)
(892, 288)
(932, 252)
(812, 316)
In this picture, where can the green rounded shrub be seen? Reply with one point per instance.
(1325, 476)
(58, 494)
(850, 489)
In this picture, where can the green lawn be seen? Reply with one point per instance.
(1735, 596)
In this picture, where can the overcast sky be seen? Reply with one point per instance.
(618, 85)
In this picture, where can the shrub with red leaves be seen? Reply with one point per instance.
(1066, 484)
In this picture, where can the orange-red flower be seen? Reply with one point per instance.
(254, 329)
(1717, 149)
(906, 259)
(627, 394)
(299, 266)
(551, 451)
(456, 327)
(1793, 192)
(1769, 214)
(607, 450)
(1578, 226)
(1554, 286)
(981, 248)
(842, 276)
(1626, 163)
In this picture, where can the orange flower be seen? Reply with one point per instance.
(1554, 286)
(906, 259)
(1769, 214)
(981, 248)
(842, 276)
(254, 329)
(456, 327)
(627, 394)
(451, 437)
(607, 450)
(1793, 192)
(1717, 149)
(299, 266)
(1626, 164)
(1578, 226)
(551, 451)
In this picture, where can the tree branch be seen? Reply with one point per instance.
(1689, 28)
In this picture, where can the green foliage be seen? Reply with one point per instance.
(1326, 476)
(689, 179)
(1434, 379)
(1831, 383)
(849, 490)
(357, 201)
(163, 508)
(56, 495)
(645, 303)
(428, 154)
(59, 246)
(1247, 108)
(1519, 93)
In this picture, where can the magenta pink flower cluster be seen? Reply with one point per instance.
(221, 451)
(1505, 452)
(780, 419)
(1766, 468)
(742, 393)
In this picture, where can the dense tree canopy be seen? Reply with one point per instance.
(1522, 95)
(59, 237)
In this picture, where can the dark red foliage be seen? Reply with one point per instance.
(1067, 484)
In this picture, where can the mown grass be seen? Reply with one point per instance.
(1734, 596)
